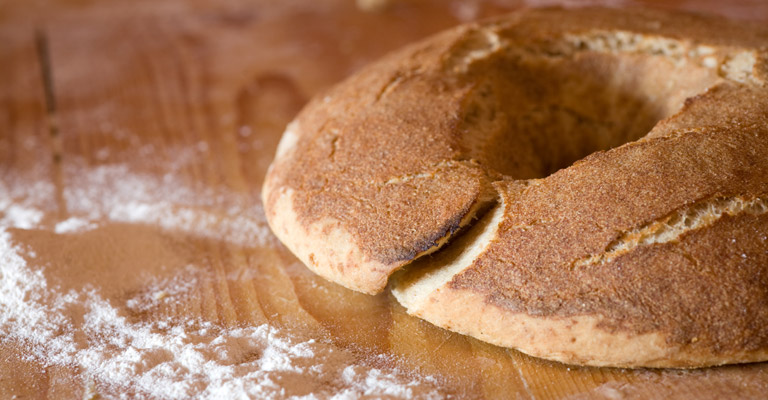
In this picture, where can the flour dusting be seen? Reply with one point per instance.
(86, 329)
(115, 193)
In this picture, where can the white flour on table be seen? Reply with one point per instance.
(114, 193)
(173, 358)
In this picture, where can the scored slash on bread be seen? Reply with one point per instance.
(598, 178)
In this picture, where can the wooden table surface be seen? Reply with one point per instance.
(196, 94)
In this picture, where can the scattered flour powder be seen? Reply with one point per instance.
(167, 359)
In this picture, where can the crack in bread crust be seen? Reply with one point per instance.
(734, 64)
(601, 329)
(671, 227)
(600, 131)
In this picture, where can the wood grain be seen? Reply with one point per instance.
(200, 92)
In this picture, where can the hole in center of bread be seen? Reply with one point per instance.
(528, 116)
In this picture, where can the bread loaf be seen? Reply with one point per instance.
(598, 178)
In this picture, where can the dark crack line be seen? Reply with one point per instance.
(43, 53)
(46, 71)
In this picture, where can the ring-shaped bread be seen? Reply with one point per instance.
(612, 166)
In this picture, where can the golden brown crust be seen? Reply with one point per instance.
(386, 168)
(654, 242)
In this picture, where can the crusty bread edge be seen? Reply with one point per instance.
(324, 246)
(573, 340)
